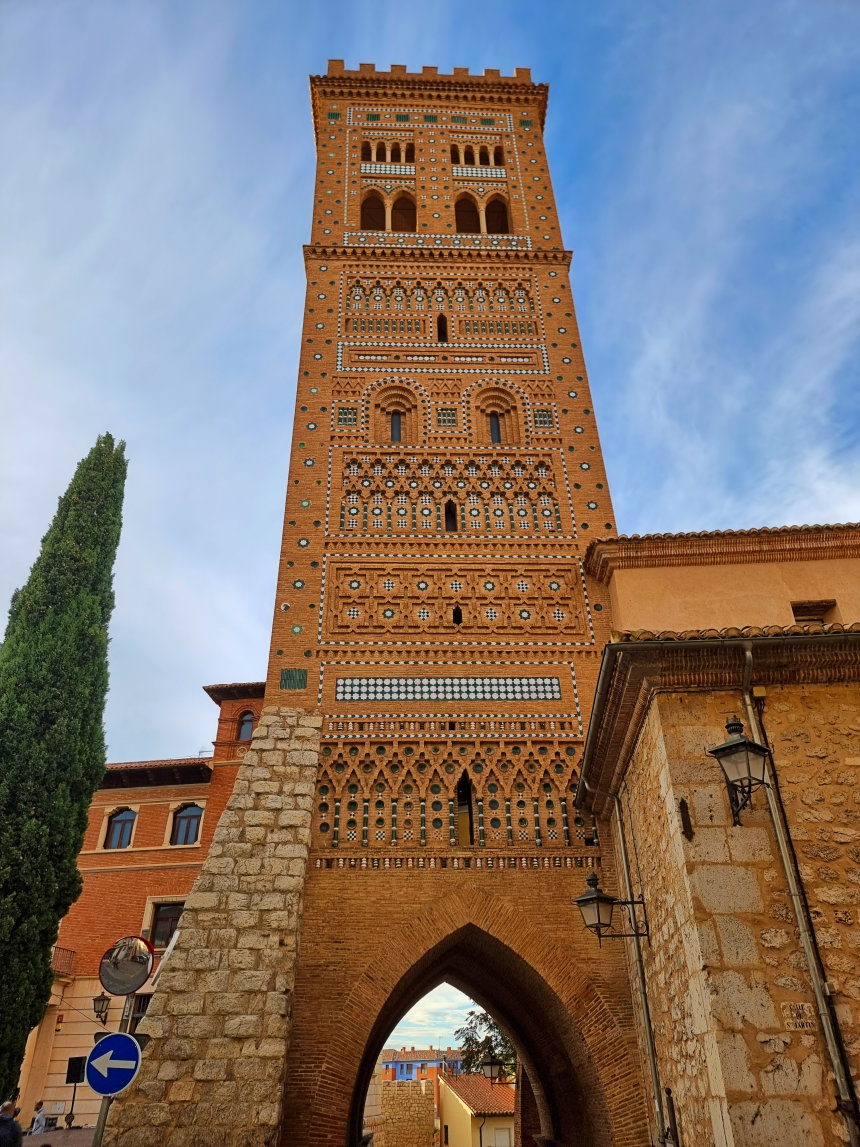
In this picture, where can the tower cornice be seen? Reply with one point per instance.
(453, 255)
(366, 82)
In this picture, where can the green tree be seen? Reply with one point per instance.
(480, 1037)
(53, 682)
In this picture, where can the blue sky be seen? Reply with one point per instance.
(155, 189)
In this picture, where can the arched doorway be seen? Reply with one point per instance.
(570, 1018)
(568, 1103)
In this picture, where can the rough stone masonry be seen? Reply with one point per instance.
(219, 1021)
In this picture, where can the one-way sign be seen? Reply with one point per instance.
(113, 1063)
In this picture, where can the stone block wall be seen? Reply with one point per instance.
(213, 1072)
(407, 1117)
(732, 1006)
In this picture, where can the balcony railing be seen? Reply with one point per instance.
(62, 960)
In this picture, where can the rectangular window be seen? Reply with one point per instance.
(371, 117)
(138, 1011)
(526, 123)
(431, 118)
(487, 121)
(164, 922)
(402, 117)
(812, 612)
(294, 678)
(347, 416)
(334, 116)
(445, 1134)
(544, 419)
(446, 417)
(458, 119)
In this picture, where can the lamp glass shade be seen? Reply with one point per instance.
(101, 1003)
(596, 907)
(742, 762)
(491, 1067)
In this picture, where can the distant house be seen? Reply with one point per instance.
(418, 1062)
(475, 1113)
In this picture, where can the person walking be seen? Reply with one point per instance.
(10, 1130)
(38, 1125)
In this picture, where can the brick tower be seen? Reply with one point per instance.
(446, 474)
(404, 815)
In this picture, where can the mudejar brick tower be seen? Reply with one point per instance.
(446, 476)
(405, 815)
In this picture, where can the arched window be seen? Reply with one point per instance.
(455, 153)
(410, 153)
(441, 329)
(119, 829)
(465, 820)
(246, 726)
(451, 518)
(372, 213)
(495, 429)
(469, 156)
(366, 153)
(403, 214)
(396, 425)
(466, 216)
(380, 152)
(186, 824)
(395, 153)
(496, 214)
(499, 156)
(484, 157)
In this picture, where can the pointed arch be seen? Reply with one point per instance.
(496, 215)
(466, 216)
(372, 212)
(403, 214)
(575, 1045)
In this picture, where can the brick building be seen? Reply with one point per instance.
(468, 709)
(150, 827)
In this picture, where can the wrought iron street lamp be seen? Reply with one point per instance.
(597, 908)
(493, 1068)
(743, 763)
(101, 1003)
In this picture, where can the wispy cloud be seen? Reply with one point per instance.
(156, 188)
(433, 1020)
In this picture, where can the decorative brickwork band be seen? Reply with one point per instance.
(219, 1021)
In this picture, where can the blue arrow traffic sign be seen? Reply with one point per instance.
(113, 1063)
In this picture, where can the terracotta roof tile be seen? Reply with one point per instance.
(480, 1096)
(422, 1054)
(807, 629)
(172, 763)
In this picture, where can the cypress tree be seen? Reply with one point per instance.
(53, 683)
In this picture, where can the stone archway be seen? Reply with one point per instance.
(571, 1022)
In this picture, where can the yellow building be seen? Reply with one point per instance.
(473, 1112)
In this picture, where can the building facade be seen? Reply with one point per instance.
(150, 827)
(468, 710)
(473, 1112)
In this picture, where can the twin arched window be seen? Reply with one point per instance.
(119, 829)
(373, 213)
(186, 824)
(246, 726)
(467, 216)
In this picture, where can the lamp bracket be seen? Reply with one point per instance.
(635, 926)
